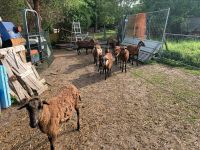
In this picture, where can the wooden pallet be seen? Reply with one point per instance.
(24, 79)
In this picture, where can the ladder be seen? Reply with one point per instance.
(76, 32)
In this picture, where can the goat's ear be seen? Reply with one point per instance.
(45, 102)
(22, 107)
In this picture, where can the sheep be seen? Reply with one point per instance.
(124, 56)
(87, 44)
(134, 51)
(49, 115)
(97, 53)
(107, 63)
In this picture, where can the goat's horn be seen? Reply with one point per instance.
(23, 106)
(45, 102)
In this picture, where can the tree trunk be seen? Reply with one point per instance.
(36, 7)
(36, 4)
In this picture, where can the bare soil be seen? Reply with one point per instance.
(149, 107)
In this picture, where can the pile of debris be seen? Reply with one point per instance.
(24, 80)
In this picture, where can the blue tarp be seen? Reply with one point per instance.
(5, 100)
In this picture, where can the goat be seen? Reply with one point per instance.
(97, 53)
(49, 115)
(124, 56)
(117, 52)
(134, 51)
(107, 63)
(112, 42)
(87, 44)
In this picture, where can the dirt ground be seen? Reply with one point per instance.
(149, 107)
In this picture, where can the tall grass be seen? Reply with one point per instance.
(185, 51)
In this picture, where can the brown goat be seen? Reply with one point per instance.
(86, 44)
(107, 63)
(124, 56)
(134, 51)
(49, 115)
(117, 52)
(97, 53)
(112, 42)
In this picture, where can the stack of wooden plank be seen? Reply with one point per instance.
(24, 80)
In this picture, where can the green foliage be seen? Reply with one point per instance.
(9, 10)
(185, 51)
(180, 10)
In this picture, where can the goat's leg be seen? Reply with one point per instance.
(110, 72)
(97, 60)
(52, 140)
(86, 51)
(78, 51)
(94, 60)
(125, 65)
(137, 60)
(116, 60)
(78, 117)
(122, 66)
(132, 60)
(105, 74)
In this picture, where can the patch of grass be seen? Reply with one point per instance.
(158, 78)
(137, 73)
(192, 118)
(13, 100)
(180, 65)
(187, 52)
(100, 35)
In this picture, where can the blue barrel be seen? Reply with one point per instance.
(5, 100)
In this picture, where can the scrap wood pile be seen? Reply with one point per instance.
(24, 81)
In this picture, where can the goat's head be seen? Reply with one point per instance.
(105, 61)
(117, 50)
(141, 43)
(107, 51)
(92, 41)
(33, 106)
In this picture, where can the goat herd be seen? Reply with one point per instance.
(122, 54)
(48, 115)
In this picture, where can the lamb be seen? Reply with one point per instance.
(134, 51)
(107, 63)
(49, 115)
(97, 53)
(124, 55)
(87, 44)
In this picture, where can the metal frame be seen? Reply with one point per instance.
(152, 46)
(29, 35)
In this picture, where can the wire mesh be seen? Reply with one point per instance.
(150, 25)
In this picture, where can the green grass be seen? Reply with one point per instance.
(101, 36)
(187, 52)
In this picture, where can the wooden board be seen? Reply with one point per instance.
(28, 80)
